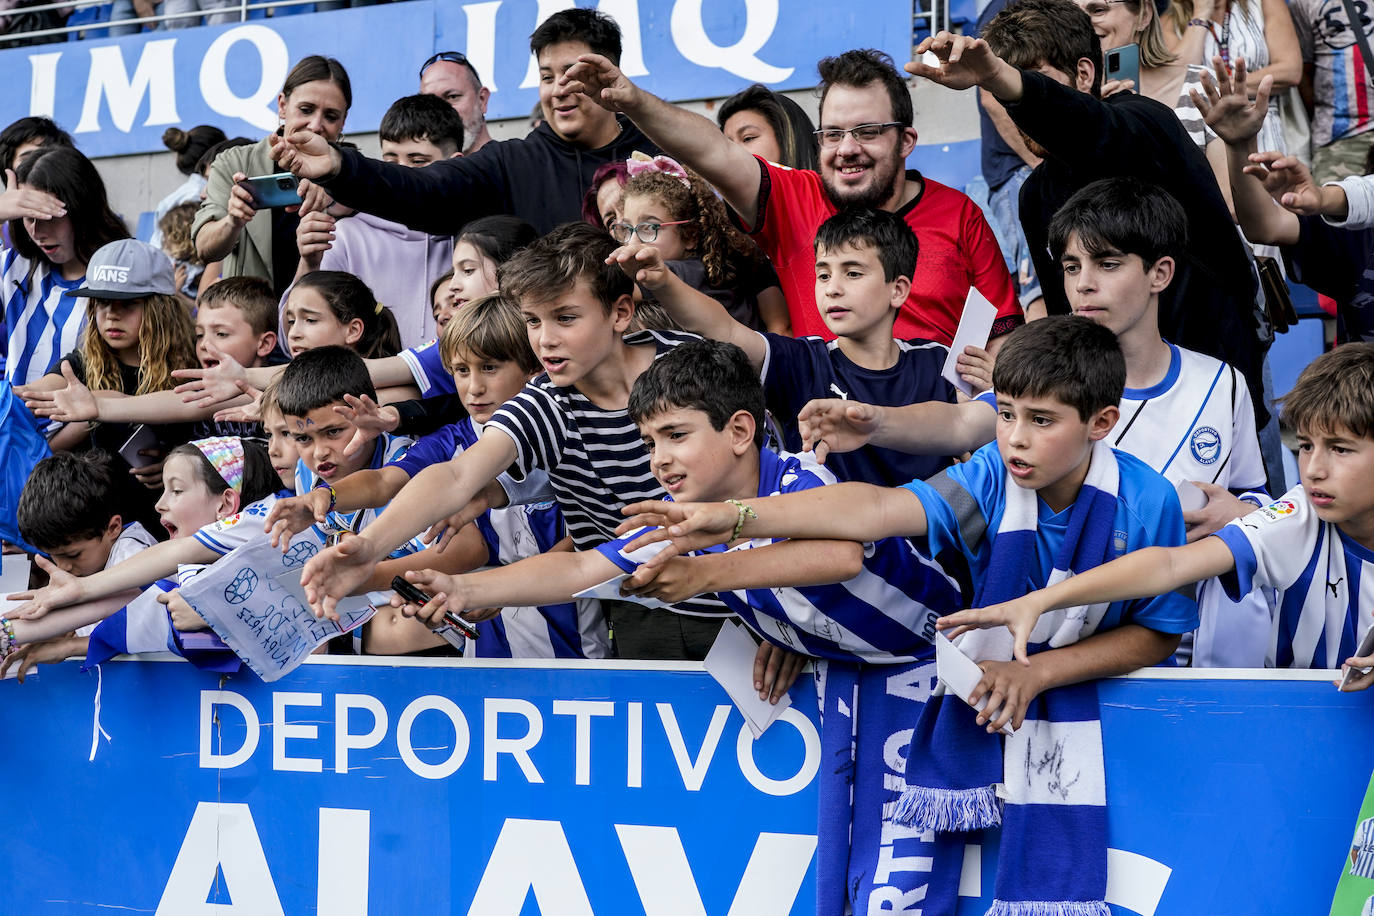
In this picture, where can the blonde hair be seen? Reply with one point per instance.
(1153, 51)
(166, 341)
(488, 327)
(1181, 12)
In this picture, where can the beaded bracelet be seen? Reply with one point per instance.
(333, 496)
(744, 513)
(6, 637)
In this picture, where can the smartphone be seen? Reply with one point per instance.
(1366, 647)
(1123, 63)
(270, 192)
(142, 439)
(415, 596)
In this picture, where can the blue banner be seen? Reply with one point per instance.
(117, 96)
(404, 786)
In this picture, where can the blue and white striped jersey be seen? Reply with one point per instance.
(40, 323)
(884, 615)
(386, 449)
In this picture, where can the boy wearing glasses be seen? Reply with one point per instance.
(865, 137)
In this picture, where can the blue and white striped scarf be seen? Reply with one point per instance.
(1053, 859)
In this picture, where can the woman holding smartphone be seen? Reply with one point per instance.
(315, 97)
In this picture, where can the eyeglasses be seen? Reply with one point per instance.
(864, 133)
(1099, 8)
(646, 232)
(453, 57)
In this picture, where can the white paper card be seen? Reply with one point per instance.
(14, 577)
(253, 600)
(610, 589)
(959, 673)
(974, 327)
(731, 663)
(1190, 496)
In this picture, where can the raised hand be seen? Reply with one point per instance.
(294, 514)
(212, 385)
(1226, 106)
(964, 61)
(306, 154)
(368, 419)
(337, 572)
(601, 81)
(30, 203)
(1288, 181)
(641, 263)
(833, 425)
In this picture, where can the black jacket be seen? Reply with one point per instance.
(1210, 305)
(540, 179)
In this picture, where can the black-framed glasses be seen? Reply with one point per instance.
(453, 57)
(862, 133)
(645, 232)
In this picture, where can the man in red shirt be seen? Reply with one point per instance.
(865, 137)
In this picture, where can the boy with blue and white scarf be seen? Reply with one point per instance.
(1047, 501)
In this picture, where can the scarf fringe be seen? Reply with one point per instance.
(1048, 908)
(948, 810)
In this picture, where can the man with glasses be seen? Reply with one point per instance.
(865, 137)
(540, 178)
(452, 77)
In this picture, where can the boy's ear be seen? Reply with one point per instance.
(1102, 422)
(899, 290)
(229, 503)
(267, 342)
(1085, 73)
(741, 427)
(353, 331)
(1161, 274)
(622, 313)
(114, 527)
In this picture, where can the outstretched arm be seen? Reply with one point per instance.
(930, 428)
(1139, 574)
(546, 578)
(685, 136)
(141, 569)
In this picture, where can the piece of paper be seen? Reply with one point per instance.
(959, 673)
(610, 589)
(975, 324)
(731, 663)
(253, 600)
(14, 577)
(1190, 496)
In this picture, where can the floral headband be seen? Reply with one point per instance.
(638, 162)
(225, 454)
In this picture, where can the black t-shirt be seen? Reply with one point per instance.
(1337, 262)
(286, 256)
(1000, 162)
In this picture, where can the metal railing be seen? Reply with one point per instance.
(933, 14)
(243, 9)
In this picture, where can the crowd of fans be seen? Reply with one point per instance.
(710, 358)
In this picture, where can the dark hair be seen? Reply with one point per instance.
(349, 298)
(1121, 214)
(422, 117)
(260, 479)
(68, 498)
(707, 375)
(190, 145)
(1073, 359)
(865, 67)
(1334, 392)
(791, 125)
(317, 67)
(497, 237)
(207, 158)
(591, 213)
(27, 130)
(887, 232)
(591, 27)
(320, 377)
(553, 264)
(251, 295)
(1029, 33)
(441, 283)
(70, 177)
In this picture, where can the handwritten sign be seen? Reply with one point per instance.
(253, 600)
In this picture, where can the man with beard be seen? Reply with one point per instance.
(1042, 60)
(865, 136)
(452, 77)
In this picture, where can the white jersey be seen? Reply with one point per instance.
(1362, 850)
(131, 540)
(1198, 424)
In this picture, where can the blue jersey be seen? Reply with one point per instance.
(964, 506)
(427, 366)
(574, 629)
(798, 371)
(385, 449)
(885, 615)
(1325, 601)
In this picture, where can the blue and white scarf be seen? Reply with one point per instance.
(1053, 858)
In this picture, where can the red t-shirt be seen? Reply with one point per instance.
(956, 250)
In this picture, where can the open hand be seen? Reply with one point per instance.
(337, 572)
(1019, 615)
(686, 526)
(250, 412)
(601, 81)
(214, 384)
(294, 514)
(833, 425)
(963, 61)
(1288, 181)
(28, 203)
(368, 419)
(63, 589)
(1226, 106)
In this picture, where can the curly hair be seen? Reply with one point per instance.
(176, 233)
(166, 341)
(724, 250)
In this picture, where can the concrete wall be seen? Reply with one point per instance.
(136, 183)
